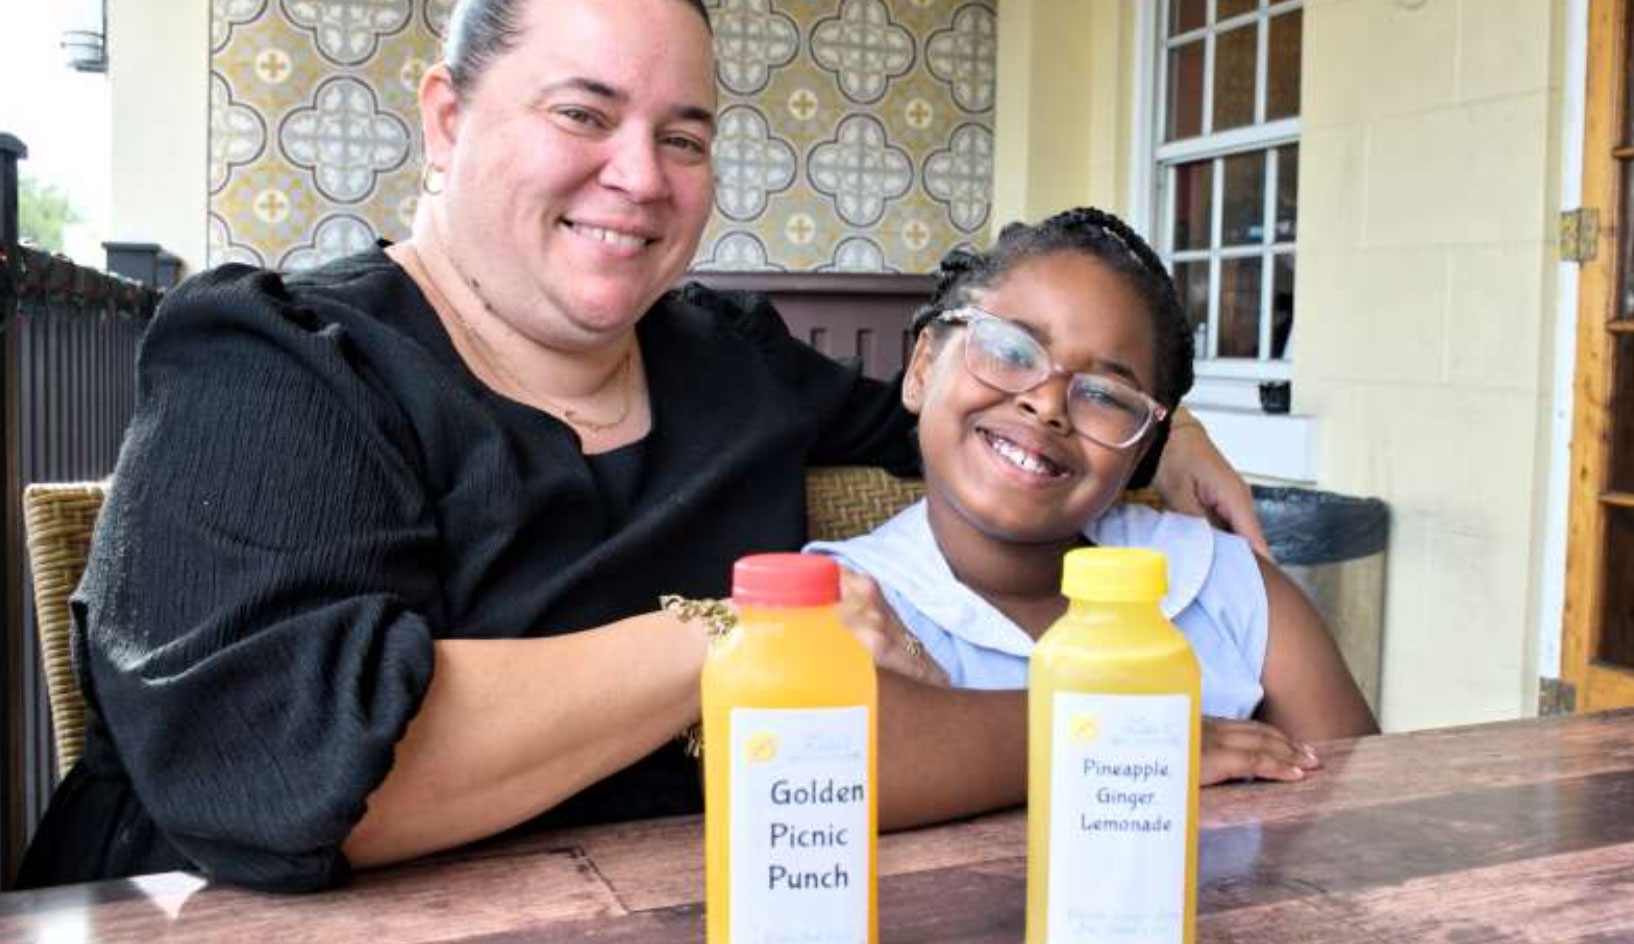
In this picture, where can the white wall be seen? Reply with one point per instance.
(1428, 182)
(1571, 68)
(1066, 88)
(158, 71)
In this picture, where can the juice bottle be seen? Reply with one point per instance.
(1114, 732)
(790, 816)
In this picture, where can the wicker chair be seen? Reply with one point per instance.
(845, 501)
(59, 519)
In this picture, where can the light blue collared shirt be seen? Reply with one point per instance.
(1216, 597)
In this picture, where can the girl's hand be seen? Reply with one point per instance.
(864, 611)
(1194, 479)
(1234, 750)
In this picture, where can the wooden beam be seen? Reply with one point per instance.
(1597, 296)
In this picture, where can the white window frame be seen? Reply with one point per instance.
(1229, 381)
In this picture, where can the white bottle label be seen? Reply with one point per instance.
(1118, 781)
(799, 856)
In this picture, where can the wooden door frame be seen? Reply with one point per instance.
(1598, 685)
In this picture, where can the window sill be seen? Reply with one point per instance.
(1263, 445)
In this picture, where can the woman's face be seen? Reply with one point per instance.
(1010, 467)
(577, 171)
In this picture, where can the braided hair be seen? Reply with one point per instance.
(1108, 240)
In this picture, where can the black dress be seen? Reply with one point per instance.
(314, 488)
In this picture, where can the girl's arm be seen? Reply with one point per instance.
(1308, 691)
(946, 753)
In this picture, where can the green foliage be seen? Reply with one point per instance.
(42, 212)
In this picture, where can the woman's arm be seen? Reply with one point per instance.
(1308, 691)
(510, 728)
(1195, 479)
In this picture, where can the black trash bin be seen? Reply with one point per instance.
(1333, 546)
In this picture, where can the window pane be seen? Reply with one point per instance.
(1628, 86)
(1191, 284)
(1287, 193)
(1617, 633)
(1234, 55)
(1625, 249)
(1282, 305)
(1186, 15)
(1226, 9)
(1621, 408)
(1193, 204)
(1185, 91)
(1240, 307)
(1243, 220)
(1282, 71)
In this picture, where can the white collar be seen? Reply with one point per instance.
(1186, 541)
(902, 555)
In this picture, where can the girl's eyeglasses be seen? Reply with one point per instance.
(1006, 356)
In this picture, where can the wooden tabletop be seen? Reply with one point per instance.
(1521, 831)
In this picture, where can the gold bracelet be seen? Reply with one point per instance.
(719, 620)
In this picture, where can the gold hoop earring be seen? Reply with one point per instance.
(426, 170)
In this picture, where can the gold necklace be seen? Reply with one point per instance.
(491, 357)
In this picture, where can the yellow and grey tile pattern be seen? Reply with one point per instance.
(855, 135)
(314, 131)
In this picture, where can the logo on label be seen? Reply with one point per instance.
(1083, 727)
(760, 747)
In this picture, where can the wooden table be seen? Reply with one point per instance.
(1522, 831)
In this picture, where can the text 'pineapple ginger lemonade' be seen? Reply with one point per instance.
(790, 815)
(1114, 731)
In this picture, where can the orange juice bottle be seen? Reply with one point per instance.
(790, 816)
(1114, 733)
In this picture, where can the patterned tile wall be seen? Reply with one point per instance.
(314, 130)
(855, 135)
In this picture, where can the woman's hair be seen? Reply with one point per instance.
(1110, 241)
(480, 31)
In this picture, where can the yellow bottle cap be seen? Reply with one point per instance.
(1115, 574)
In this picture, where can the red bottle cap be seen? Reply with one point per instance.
(785, 580)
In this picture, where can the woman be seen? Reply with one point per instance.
(378, 575)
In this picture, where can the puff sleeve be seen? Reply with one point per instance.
(257, 617)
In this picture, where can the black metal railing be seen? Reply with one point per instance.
(68, 339)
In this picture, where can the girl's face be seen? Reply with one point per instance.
(1010, 467)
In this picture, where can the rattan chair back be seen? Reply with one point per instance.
(59, 519)
(845, 501)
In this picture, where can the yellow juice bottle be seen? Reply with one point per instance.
(1114, 733)
(790, 815)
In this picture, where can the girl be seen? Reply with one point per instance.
(1044, 375)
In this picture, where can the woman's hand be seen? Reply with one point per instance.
(1194, 479)
(1234, 750)
(864, 611)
